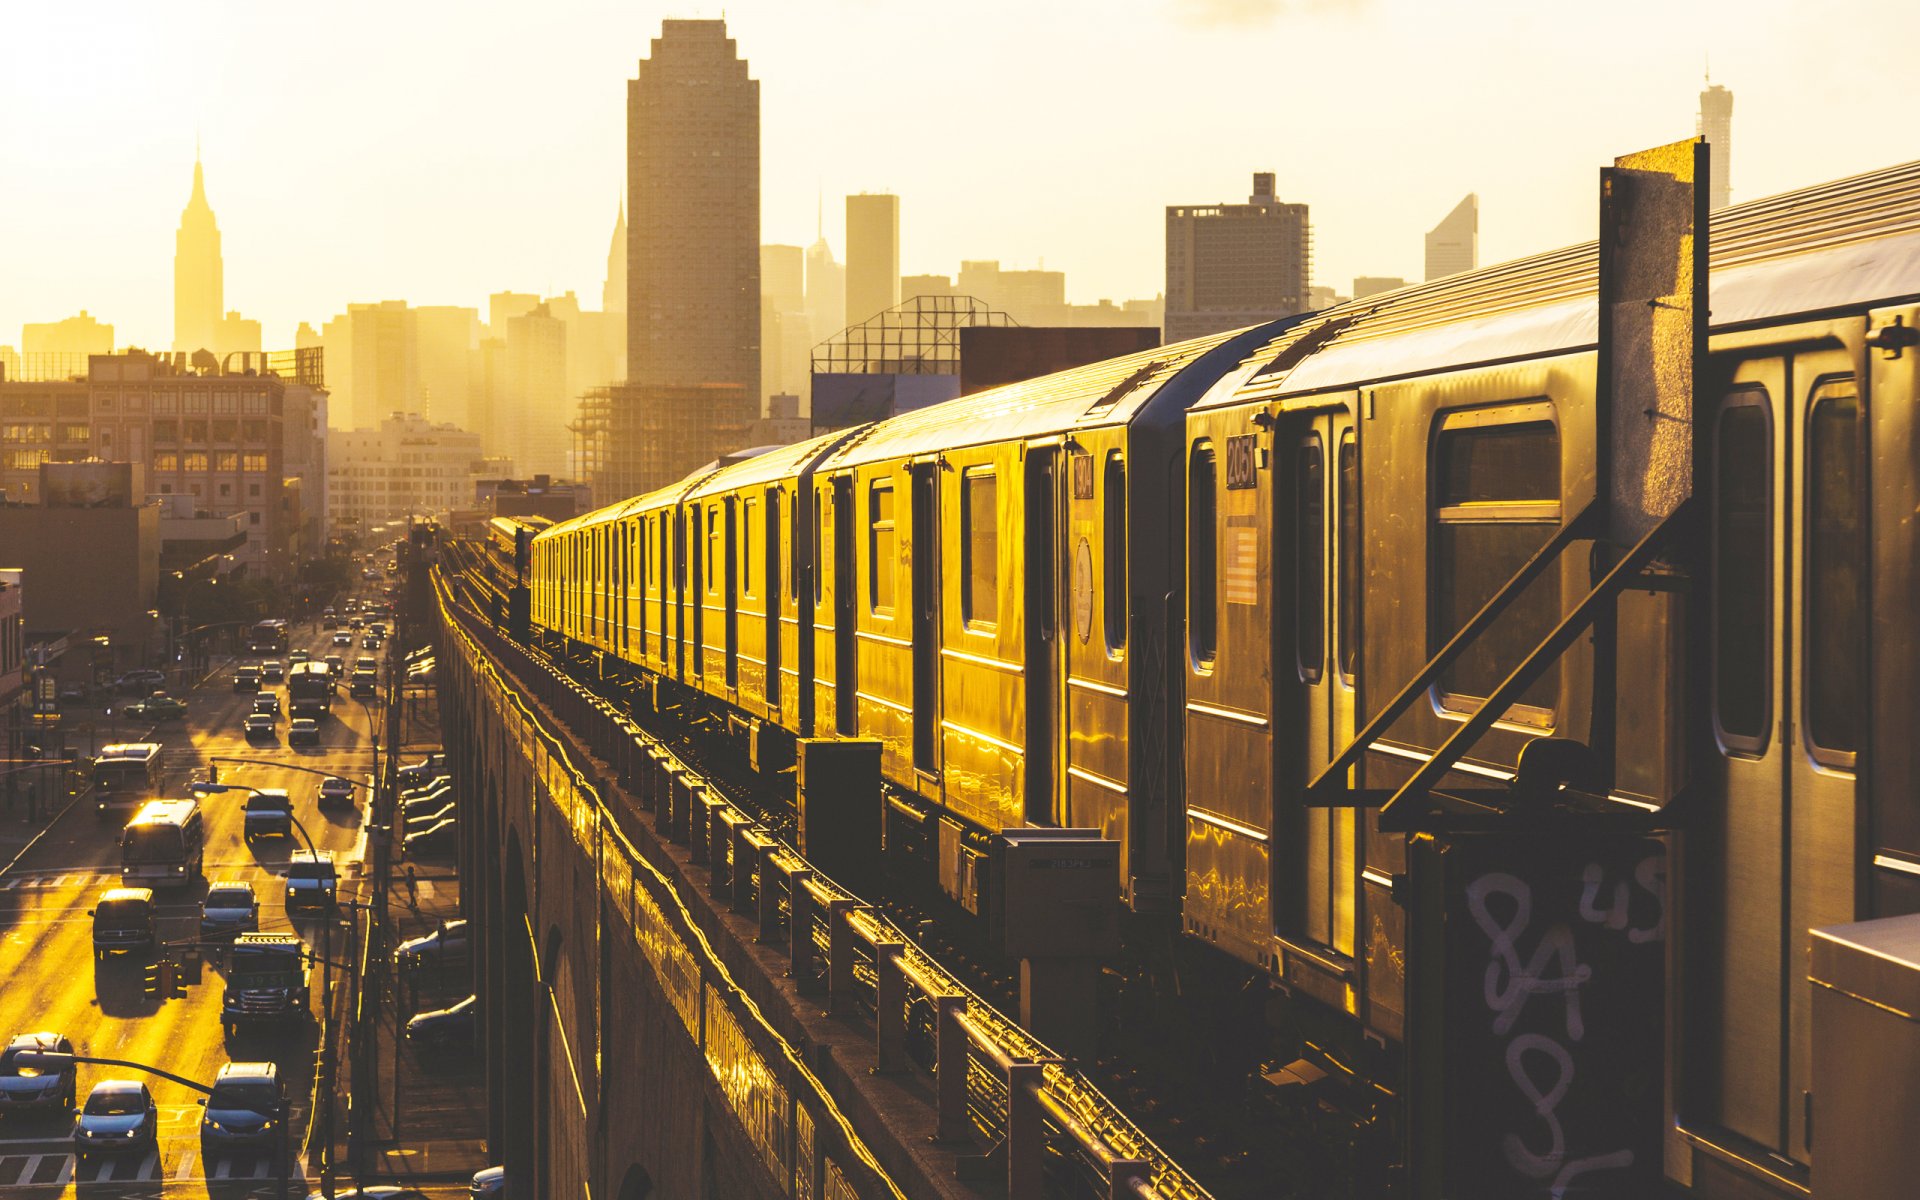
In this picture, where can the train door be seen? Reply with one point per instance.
(1788, 559)
(1318, 520)
(1042, 643)
(846, 652)
(775, 599)
(731, 592)
(923, 550)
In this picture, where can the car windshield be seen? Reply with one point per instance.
(120, 913)
(255, 1097)
(310, 870)
(115, 1104)
(153, 843)
(229, 898)
(268, 804)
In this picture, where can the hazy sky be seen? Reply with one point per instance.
(438, 151)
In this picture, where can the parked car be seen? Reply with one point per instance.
(272, 672)
(243, 1113)
(305, 731)
(415, 803)
(426, 768)
(447, 946)
(269, 812)
(312, 880)
(118, 1118)
(140, 683)
(230, 908)
(444, 1028)
(490, 1184)
(427, 816)
(336, 792)
(25, 1089)
(123, 921)
(157, 707)
(381, 1192)
(436, 839)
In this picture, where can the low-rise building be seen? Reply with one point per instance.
(90, 553)
(541, 496)
(409, 466)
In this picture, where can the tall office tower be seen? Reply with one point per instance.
(1232, 265)
(613, 295)
(1716, 125)
(199, 296)
(1453, 245)
(693, 260)
(386, 362)
(873, 255)
(826, 291)
(785, 331)
(445, 340)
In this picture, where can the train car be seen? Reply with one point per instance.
(1383, 469)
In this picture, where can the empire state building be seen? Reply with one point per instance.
(197, 273)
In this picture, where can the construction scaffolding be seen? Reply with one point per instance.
(918, 337)
(633, 438)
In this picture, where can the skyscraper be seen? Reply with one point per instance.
(1231, 265)
(1453, 245)
(1716, 125)
(198, 289)
(613, 294)
(693, 259)
(873, 255)
(826, 291)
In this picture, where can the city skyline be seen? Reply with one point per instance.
(487, 190)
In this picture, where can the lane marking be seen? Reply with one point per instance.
(185, 1169)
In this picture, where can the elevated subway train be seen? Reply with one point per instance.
(1158, 596)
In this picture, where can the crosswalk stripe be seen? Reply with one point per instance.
(185, 1168)
(66, 1170)
(222, 1171)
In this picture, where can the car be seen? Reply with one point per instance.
(269, 811)
(298, 656)
(244, 1110)
(363, 685)
(447, 946)
(427, 816)
(230, 908)
(426, 768)
(119, 1117)
(435, 839)
(378, 628)
(140, 683)
(157, 707)
(490, 1184)
(246, 677)
(267, 703)
(336, 664)
(370, 642)
(343, 638)
(75, 693)
(272, 672)
(124, 920)
(381, 1192)
(25, 1089)
(258, 726)
(335, 792)
(305, 731)
(312, 880)
(355, 621)
(444, 1028)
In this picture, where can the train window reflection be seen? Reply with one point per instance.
(1114, 549)
(880, 543)
(1310, 548)
(1743, 569)
(1202, 555)
(1498, 497)
(1835, 573)
(980, 546)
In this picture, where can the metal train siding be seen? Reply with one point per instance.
(1155, 596)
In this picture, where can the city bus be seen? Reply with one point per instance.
(310, 690)
(164, 844)
(125, 772)
(268, 637)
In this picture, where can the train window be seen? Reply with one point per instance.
(1497, 501)
(750, 513)
(880, 543)
(819, 551)
(1203, 556)
(1114, 547)
(1835, 576)
(793, 546)
(1310, 558)
(980, 546)
(1348, 552)
(716, 552)
(1743, 569)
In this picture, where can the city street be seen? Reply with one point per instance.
(110, 1009)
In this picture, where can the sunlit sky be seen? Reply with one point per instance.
(438, 151)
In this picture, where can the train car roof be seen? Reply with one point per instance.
(781, 462)
(645, 502)
(1110, 392)
(1833, 246)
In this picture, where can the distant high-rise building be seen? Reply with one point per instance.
(1453, 245)
(1373, 285)
(873, 255)
(783, 277)
(385, 359)
(199, 290)
(693, 260)
(613, 296)
(925, 285)
(75, 337)
(537, 407)
(236, 333)
(786, 333)
(1231, 265)
(1716, 125)
(1031, 297)
(446, 338)
(826, 291)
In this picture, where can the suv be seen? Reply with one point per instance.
(336, 791)
(123, 920)
(36, 1089)
(267, 703)
(311, 880)
(267, 981)
(269, 811)
(157, 707)
(246, 678)
(244, 1111)
(363, 684)
(298, 656)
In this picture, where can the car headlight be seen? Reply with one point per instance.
(131, 1133)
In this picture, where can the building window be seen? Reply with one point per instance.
(195, 460)
(195, 402)
(166, 403)
(226, 460)
(225, 404)
(254, 463)
(166, 431)
(166, 461)
(196, 433)
(226, 491)
(880, 547)
(253, 489)
(1115, 552)
(1496, 502)
(253, 518)
(980, 546)
(1203, 555)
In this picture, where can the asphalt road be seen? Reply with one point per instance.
(52, 982)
